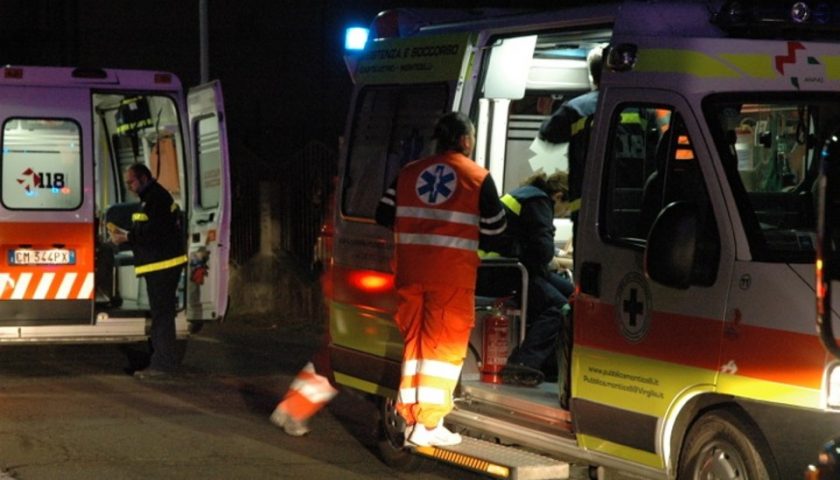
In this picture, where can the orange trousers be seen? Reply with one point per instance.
(435, 322)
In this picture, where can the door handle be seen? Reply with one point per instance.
(590, 279)
(205, 221)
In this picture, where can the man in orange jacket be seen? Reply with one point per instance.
(439, 207)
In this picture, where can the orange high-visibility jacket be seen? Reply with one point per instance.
(437, 221)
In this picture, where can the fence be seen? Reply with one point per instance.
(299, 189)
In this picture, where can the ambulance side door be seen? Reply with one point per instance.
(641, 347)
(209, 219)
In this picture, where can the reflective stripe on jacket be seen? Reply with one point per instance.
(156, 235)
(437, 220)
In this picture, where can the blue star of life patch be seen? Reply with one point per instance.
(436, 184)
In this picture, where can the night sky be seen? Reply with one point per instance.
(280, 62)
(286, 87)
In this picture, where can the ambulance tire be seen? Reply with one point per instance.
(391, 439)
(720, 445)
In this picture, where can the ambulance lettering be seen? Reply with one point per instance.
(32, 180)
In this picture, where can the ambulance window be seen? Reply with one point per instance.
(209, 159)
(392, 126)
(769, 149)
(631, 161)
(650, 165)
(42, 164)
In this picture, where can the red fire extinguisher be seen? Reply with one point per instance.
(495, 344)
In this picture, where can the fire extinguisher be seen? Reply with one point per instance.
(495, 343)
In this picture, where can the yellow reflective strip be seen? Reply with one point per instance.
(484, 254)
(668, 60)
(139, 217)
(364, 385)
(832, 66)
(465, 460)
(578, 126)
(512, 203)
(162, 265)
(620, 451)
(768, 391)
(754, 65)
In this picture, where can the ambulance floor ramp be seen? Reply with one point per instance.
(498, 461)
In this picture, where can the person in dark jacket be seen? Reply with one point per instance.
(530, 212)
(157, 240)
(572, 123)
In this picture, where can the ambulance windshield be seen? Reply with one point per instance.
(769, 147)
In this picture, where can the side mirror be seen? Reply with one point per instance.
(672, 245)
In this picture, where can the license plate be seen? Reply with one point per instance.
(52, 256)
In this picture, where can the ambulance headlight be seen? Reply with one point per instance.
(833, 393)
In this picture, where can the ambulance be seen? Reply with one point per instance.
(68, 135)
(692, 347)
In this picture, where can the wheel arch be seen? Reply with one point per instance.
(701, 405)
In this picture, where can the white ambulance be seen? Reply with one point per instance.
(67, 136)
(694, 353)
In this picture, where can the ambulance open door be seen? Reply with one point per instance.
(209, 218)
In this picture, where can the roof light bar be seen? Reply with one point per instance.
(776, 18)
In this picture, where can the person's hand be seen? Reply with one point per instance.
(116, 234)
(561, 263)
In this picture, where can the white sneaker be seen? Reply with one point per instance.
(439, 436)
(409, 429)
(295, 428)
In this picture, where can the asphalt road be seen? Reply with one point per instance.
(72, 412)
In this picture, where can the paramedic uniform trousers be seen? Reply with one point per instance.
(435, 321)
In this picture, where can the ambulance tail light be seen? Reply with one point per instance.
(13, 73)
(163, 78)
(370, 281)
(832, 399)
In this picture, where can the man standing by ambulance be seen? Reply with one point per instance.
(439, 207)
(157, 240)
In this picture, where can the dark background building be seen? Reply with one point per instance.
(280, 63)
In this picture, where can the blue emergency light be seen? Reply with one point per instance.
(355, 38)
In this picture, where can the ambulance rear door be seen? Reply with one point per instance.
(47, 246)
(209, 217)
(402, 86)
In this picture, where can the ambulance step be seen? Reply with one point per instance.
(497, 460)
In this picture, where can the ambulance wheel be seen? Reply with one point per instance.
(390, 439)
(721, 446)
